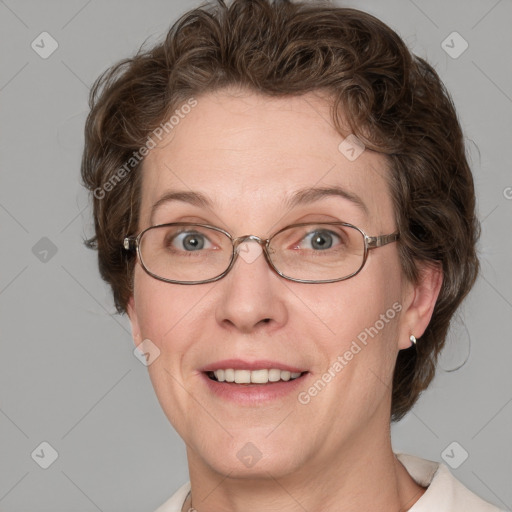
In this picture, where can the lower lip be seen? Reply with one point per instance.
(253, 394)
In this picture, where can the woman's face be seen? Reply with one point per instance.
(248, 155)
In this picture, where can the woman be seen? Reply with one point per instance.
(284, 210)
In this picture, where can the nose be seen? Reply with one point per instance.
(251, 294)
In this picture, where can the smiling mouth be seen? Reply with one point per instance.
(263, 376)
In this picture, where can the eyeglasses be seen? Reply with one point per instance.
(320, 252)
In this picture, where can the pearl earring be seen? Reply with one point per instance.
(413, 339)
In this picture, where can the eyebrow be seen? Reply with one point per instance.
(310, 195)
(300, 197)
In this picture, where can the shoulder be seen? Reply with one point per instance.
(444, 493)
(175, 502)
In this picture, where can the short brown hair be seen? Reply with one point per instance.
(391, 99)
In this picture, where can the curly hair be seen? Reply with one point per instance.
(390, 99)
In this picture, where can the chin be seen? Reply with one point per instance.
(276, 466)
(248, 457)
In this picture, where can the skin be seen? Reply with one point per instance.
(246, 153)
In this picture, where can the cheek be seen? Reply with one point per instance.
(165, 313)
(352, 307)
(362, 315)
(161, 307)
(174, 317)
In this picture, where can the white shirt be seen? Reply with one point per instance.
(444, 493)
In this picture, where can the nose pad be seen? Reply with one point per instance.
(250, 252)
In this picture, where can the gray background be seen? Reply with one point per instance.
(68, 375)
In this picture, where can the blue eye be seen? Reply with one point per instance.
(321, 239)
(190, 241)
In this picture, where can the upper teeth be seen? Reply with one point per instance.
(254, 376)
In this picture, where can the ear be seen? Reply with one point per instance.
(419, 302)
(134, 321)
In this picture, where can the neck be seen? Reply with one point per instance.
(356, 477)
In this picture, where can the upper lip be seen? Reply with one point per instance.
(240, 364)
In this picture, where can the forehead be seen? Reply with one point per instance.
(249, 153)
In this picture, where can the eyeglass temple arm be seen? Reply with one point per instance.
(379, 241)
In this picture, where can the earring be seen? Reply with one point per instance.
(413, 339)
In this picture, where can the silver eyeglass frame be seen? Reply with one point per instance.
(131, 243)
